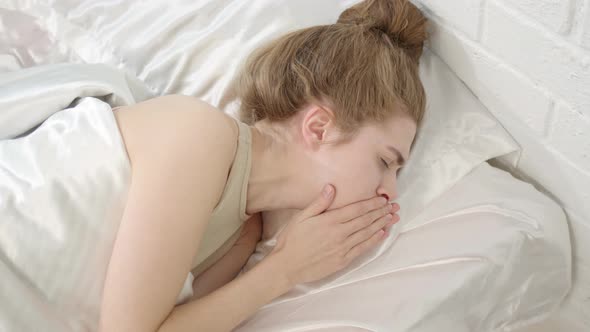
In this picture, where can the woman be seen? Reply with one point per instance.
(336, 104)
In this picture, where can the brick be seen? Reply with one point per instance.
(464, 15)
(570, 135)
(492, 81)
(555, 14)
(549, 61)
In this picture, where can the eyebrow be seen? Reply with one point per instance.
(400, 159)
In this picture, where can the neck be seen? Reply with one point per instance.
(275, 180)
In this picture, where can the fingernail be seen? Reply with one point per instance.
(328, 191)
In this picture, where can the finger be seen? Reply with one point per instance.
(365, 220)
(320, 204)
(366, 233)
(355, 210)
(360, 248)
(388, 227)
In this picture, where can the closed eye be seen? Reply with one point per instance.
(385, 163)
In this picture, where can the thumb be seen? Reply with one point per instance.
(320, 204)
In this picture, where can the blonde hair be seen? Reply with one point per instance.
(364, 67)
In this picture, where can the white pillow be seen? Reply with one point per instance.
(458, 134)
(196, 47)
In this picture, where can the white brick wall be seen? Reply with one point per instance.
(528, 61)
(555, 14)
(571, 133)
(547, 59)
(461, 14)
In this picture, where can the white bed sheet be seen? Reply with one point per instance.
(491, 254)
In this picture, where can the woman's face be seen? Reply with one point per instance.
(365, 166)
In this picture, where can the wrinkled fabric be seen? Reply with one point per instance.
(491, 254)
(64, 175)
(63, 188)
(28, 97)
(485, 259)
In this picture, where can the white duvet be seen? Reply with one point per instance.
(63, 187)
(477, 250)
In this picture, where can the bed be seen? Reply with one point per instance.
(476, 248)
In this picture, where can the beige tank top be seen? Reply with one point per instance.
(229, 215)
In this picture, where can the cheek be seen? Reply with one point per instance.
(355, 181)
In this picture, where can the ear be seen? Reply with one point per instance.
(317, 125)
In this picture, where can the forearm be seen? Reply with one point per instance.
(226, 307)
(222, 272)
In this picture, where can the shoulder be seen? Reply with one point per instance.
(177, 122)
(180, 149)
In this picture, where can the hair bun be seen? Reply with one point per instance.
(400, 20)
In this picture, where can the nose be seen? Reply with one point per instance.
(388, 191)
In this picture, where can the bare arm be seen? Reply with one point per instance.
(178, 176)
(229, 266)
(223, 309)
